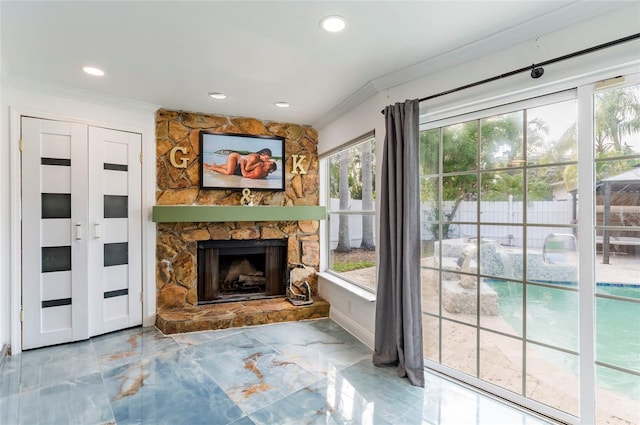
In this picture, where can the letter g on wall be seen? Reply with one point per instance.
(183, 160)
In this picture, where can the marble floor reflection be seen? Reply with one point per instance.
(310, 372)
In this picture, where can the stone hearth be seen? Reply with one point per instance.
(238, 314)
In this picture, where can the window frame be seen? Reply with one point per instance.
(338, 278)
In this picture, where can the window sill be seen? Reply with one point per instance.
(348, 286)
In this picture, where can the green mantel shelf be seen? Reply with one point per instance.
(213, 213)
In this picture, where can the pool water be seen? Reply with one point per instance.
(552, 318)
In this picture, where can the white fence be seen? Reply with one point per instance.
(355, 223)
(548, 213)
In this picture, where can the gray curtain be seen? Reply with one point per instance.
(398, 337)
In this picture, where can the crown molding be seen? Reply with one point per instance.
(60, 90)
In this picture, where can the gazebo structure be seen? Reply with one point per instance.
(618, 204)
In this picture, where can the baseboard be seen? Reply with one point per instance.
(362, 334)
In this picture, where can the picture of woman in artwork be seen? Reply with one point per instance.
(256, 165)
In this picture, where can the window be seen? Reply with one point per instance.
(503, 204)
(350, 201)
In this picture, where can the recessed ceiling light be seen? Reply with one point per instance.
(93, 71)
(216, 95)
(333, 23)
(282, 104)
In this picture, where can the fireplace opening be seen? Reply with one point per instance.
(241, 270)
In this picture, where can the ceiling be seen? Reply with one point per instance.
(171, 54)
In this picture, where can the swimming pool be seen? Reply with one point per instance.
(552, 318)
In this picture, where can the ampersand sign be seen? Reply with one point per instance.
(246, 196)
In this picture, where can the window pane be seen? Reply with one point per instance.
(617, 122)
(459, 347)
(510, 317)
(458, 254)
(459, 297)
(617, 330)
(548, 198)
(459, 194)
(618, 218)
(460, 147)
(621, 275)
(429, 210)
(617, 396)
(355, 264)
(430, 291)
(351, 206)
(552, 378)
(429, 151)
(501, 253)
(551, 133)
(501, 197)
(431, 337)
(552, 256)
(552, 317)
(501, 361)
(501, 141)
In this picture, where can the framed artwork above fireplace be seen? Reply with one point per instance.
(239, 161)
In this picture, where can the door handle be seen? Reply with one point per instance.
(98, 231)
(78, 231)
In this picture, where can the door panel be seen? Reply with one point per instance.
(115, 220)
(54, 207)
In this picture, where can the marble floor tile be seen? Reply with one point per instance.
(46, 366)
(130, 345)
(308, 372)
(79, 401)
(251, 373)
(10, 382)
(170, 388)
(330, 401)
(317, 348)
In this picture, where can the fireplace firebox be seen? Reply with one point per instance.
(236, 270)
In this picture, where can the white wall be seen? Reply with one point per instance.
(624, 58)
(65, 104)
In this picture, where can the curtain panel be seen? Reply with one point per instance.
(398, 334)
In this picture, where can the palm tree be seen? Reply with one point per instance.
(617, 114)
(344, 240)
(367, 197)
(501, 186)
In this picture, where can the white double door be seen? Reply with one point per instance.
(81, 231)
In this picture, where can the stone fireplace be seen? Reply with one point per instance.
(241, 270)
(183, 293)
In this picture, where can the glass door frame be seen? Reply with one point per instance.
(584, 94)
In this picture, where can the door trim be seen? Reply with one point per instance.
(15, 209)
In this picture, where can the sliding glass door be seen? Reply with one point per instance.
(502, 195)
(616, 151)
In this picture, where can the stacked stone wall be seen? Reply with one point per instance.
(176, 243)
